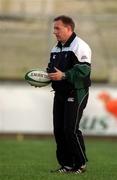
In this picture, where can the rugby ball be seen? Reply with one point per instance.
(37, 78)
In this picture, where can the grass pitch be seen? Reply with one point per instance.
(33, 160)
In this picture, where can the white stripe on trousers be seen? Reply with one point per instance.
(76, 126)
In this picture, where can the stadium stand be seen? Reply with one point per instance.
(26, 34)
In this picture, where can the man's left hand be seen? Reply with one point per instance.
(57, 76)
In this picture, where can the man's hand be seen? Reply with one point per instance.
(57, 76)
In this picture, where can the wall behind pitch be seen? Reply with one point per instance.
(25, 109)
(100, 116)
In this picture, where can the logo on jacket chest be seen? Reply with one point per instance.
(54, 56)
(65, 55)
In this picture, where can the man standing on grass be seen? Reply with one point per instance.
(69, 69)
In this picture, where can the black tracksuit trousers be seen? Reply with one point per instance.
(67, 112)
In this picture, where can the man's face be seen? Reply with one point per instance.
(61, 31)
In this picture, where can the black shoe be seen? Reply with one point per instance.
(62, 170)
(80, 170)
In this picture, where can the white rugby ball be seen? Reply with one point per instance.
(37, 78)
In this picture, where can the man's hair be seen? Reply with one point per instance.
(66, 20)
